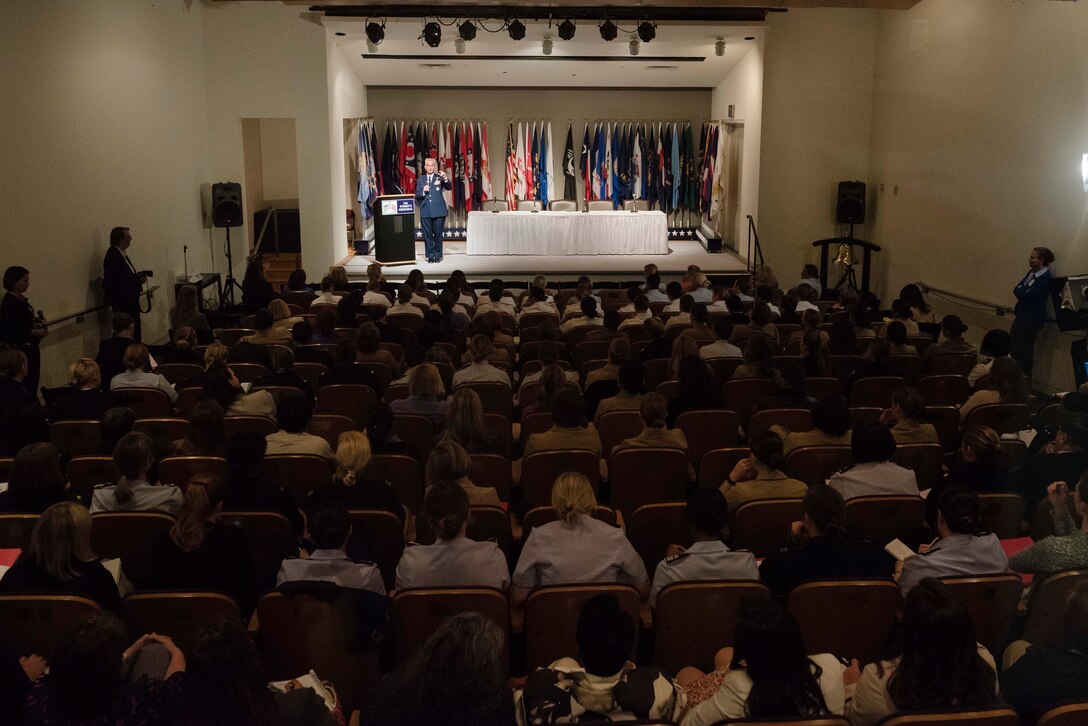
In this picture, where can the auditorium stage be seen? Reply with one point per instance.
(523, 267)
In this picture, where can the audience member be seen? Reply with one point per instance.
(328, 526)
(257, 292)
(760, 325)
(222, 386)
(577, 547)
(830, 427)
(976, 468)
(896, 334)
(22, 420)
(659, 346)
(588, 317)
(538, 303)
(653, 289)
(480, 370)
(1067, 549)
(111, 351)
(293, 414)
(630, 395)
(681, 348)
(326, 296)
(344, 370)
(137, 373)
(758, 360)
(206, 435)
(810, 275)
(114, 424)
(699, 330)
(721, 347)
(183, 347)
(698, 390)
(683, 317)
(876, 363)
(815, 355)
(618, 352)
(1065, 458)
(134, 457)
(570, 430)
(246, 490)
(282, 373)
(873, 472)
(655, 433)
(920, 312)
(759, 475)
(996, 344)
(404, 304)
(952, 328)
(788, 314)
(450, 462)
(465, 425)
(427, 396)
(83, 399)
(35, 482)
(267, 332)
(792, 394)
(842, 338)
(281, 315)
(905, 417)
(1007, 384)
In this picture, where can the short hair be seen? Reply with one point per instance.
(997, 343)
(641, 303)
(86, 666)
(619, 350)
(12, 362)
(611, 319)
(302, 332)
(327, 283)
(262, 319)
(425, 382)
(871, 441)
(686, 303)
(448, 460)
(630, 376)
(121, 322)
(606, 635)
(345, 351)
(446, 508)
(329, 525)
(653, 282)
(831, 415)
(674, 290)
(368, 338)
(734, 304)
(537, 294)
(767, 447)
(116, 422)
(761, 313)
(12, 275)
(404, 294)
(588, 306)
(83, 371)
(293, 413)
(572, 496)
(897, 332)
(911, 401)
(1073, 425)
(568, 408)
(653, 327)
(708, 511)
(116, 234)
(723, 329)
(810, 272)
(654, 410)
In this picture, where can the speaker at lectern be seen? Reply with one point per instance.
(395, 229)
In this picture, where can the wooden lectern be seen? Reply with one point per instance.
(395, 229)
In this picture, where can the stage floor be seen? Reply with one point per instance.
(513, 267)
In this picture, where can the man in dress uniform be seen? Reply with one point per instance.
(120, 280)
(432, 207)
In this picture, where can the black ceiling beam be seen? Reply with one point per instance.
(581, 12)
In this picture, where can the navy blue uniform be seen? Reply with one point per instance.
(432, 212)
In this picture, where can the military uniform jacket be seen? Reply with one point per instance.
(432, 203)
(704, 561)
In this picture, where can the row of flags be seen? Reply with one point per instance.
(671, 165)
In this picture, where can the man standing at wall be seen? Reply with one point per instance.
(432, 207)
(120, 280)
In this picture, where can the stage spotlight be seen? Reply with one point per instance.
(432, 34)
(546, 46)
(375, 33)
(719, 47)
(467, 30)
(647, 31)
(608, 30)
(566, 30)
(632, 46)
(459, 45)
(516, 29)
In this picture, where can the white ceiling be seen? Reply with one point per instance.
(693, 43)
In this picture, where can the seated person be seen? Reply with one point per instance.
(414, 354)
(602, 682)
(788, 314)
(327, 296)
(496, 300)
(1007, 384)
(282, 373)
(759, 476)
(59, 559)
(641, 314)
(450, 462)
(1067, 549)
(570, 430)
(589, 316)
(952, 328)
(344, 370)
(815, 354)
(684, 315)
(547, 354)
(1065, 458)
(293, 414)
(996, 344)
(465, 425)
(368, 339)
(22, 420)
(818, 548)
(325, 324)
(806, 298)
(758, 362)
(760, 324)
(114, 424)
(698, 389)
(36, 481)
(618, 352)
(876, 363)
(537, 302)
(329, 528)
(281, 315)
(83, 399)
(267, 333)
(655, 433)
(630, 393)
(765, 294)
(963, 547)
(374, 295)
(453, 560)
(700, 289)
(222, 386)
(873, 472)
(674, 292)
(404, 305)
(830, 427)
(577, 547)
(653, 289)
(905, 418)
(134, 457)
(427, 396)
(708, 558)
(632, 292)
(976, 468)
(348, 486)
(609, 330)
(137, 373)
(792, 394)
(480, 370)
(896, 333)
(215, 354)
(1039, 677)
(183, 347)
(111, 351)
(721, 347)
(246, 489)
(699, 330)
(206, 435)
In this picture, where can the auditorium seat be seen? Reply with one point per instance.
(724, 368)
(540, 470)
(881, 519)
(36, 623)
(486, 522)
(532, 320)
(849, 618)
(405, 321)
(961, 717)
(943, 390)
(177, 373)
(794, 419)
(163, 432)
(696, 618)
(926, 460)
(589, 350)
(1004, 418)
(654, 371)
(492, 470)
(875, 392)
(707, 430)
(535, 423)
(956, 364)
(991, 601)
(653, 527)
(249, 372)
(271, 541)
(231, 336)
(1068, 714)
(403, 472)
(416, 614)
(179, 470)
(353, 400)
(643, 475)
(494, 397)
(382, 533)
(1002, 513)
(310, 372)
(717, 463)
(762, 526)
(843, 366)
(417, 431)
(178, 615)
(188, 399)
(537, 516)
(76, 438)
(279, 393)
(742, 395)
(815, 464)
(86, 472)
(946, 419)
(396, 392)
(1048, 604)
(129, 536)
(235, 424)
(863, 413)
(298, 474)
(615, 426)
(146, 402)
(551, 619)
(15, 530)
(910, 366)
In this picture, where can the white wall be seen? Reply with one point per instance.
(279, 159)
(817, 113)
(268, 60)
(743, 88)
(103, 124)
(979, 120)
(347, 100)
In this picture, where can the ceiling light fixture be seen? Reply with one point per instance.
(375, 33)
(467, 30)
(432, 34)
(546, 46)
(719, 47)
(647, 31)
(566, 29)
(632, 46)
(608, 30)
(516, 29)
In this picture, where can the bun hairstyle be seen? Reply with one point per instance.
(480, 348)
(572, 496)
(984, 441)
(959, 508)
(446, 508)
(826, 509)
(133, 456)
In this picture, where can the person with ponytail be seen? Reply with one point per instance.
(480, 370)
(349, 487)
(963, 549)
(199, 552)
(818, 548)
(133, 456)
(453, 560)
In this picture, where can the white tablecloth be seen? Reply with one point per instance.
(568, 233)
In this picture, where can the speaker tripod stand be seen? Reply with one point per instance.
(230, 282)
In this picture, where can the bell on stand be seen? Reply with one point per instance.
(846, 259)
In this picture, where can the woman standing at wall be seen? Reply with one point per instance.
(1031, 296)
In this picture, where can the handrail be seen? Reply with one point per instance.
(997, 309)
(82, 314)
(758, 250)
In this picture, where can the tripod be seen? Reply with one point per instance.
(231, 282)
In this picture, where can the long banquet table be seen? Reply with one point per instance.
(568, 233)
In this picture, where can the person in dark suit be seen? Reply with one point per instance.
(120, 280)
(432, 207)
(111, 351)
(18, 326)
(1031, 295)
(257, 292)
(22, 420)
(83, 398)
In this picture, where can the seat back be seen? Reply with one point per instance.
(146, 402)
(540, 470)
(653, 527)
(405, 321)
(615, 426)
(492, 470)
(87, 472)
(1002, 513)
(1069, 714)
(382, 534)
(843, 366)
(589, 350)
(1004, 418)
(876, 391)
(992, 601)
(404, 472)
(763, 525)
(129, 536)
(815, 464)
(235, 424)
(271, 541)
(352, 400)
(535, 423)
(943, 389)
(820, 387)
(416, 431)
(946, 419)
(654, 372)
(178, 615)
(178, 470)
(15, 530)
(694, 619)
(163, 431)
(641, 476)
(1048, 605)
(724, 368)
(231, 336)
(500, 427)
(300, 632)
(298, 474)
(742, 395)
(188, 398)
(794, 419)
(708, 430)
(963, 716)
(76, 438)
(717, 463)
(551, 618)
(956, 364)
(329, 427)
(926, 460)
(529, 205)
(494, 397)
(310, 372)
(397, 392)
(177, 373)
(908, 365)
(249, 372)
(538, 516)
(416, 614)
(850, 618)
(36, 623)
(884, 518)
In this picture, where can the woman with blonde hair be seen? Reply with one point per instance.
(133, 457)
(83, 399)
(281, 315)
(465, 424)
(577, 547)
(480, 370)
(977, 467)
(426, 395)
(349, 487)
(450, 462)
(201, 553)
(60, 560)
(138, 373)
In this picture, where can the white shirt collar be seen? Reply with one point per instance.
(1042, 271)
